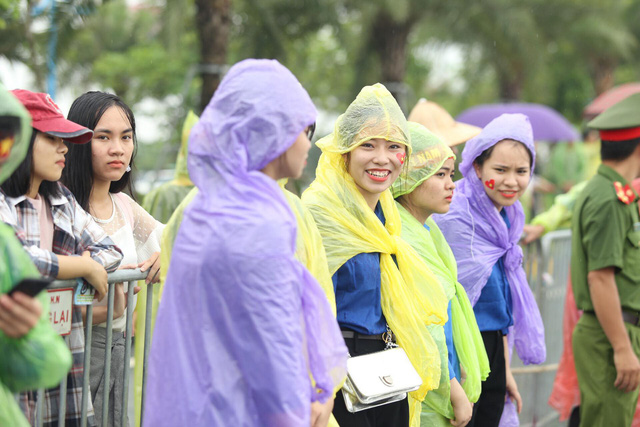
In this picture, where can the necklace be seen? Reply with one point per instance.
(113, 213)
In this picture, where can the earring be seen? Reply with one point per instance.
(128, 169)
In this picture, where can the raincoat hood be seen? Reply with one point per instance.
(255, 115)
(429, 154)
(506, 126)
(11, 108)
(373, 114)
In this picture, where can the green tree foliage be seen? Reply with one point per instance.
(561, 53)
(126, 50)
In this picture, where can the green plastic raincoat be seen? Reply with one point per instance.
(163, 201)
(560, 213)
(429, 154)
(41, 357)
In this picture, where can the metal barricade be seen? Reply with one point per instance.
(119, 276)
(547, 267)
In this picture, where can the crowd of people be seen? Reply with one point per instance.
(266, 298)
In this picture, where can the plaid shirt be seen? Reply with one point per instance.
(74, 232)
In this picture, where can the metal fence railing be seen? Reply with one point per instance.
(547, 266)
(130, 276)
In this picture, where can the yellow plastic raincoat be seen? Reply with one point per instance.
(412, 297)
(429, 154)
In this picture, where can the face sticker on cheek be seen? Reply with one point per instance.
(490, 184)
(401, 157)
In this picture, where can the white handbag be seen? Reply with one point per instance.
(378, 379)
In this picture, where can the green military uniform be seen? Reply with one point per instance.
(605, 233)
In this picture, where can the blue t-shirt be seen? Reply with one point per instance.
(494, 307)
(454, 362)
(357, 287)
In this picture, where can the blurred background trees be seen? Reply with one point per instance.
(173, 52)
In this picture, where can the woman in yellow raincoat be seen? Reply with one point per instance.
(375, 273)
(426, 189)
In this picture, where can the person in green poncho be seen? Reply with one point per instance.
(163, 201)
(33, 354)
(425, 189)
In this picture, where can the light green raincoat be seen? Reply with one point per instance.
(428, 157)
(163, 201)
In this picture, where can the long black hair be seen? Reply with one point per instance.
(87, 110)
(20, 180)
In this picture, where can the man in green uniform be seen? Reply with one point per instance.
(605, 271)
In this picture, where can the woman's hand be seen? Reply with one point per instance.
(532, 233)
(512, 390)
(153, 265)
(320, 413)
(96, 275)
(463, 375)
(462, 408)
(119, 301)
(127, 266)
(19, 314)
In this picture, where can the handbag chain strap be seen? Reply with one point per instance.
(387, 337)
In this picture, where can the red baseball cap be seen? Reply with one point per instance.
(47, 117)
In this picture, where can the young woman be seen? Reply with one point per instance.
(426, 189)
(97, 173)
(374, 271)
(33, 354)
(62, 239)
(242, 324)
(483, 228)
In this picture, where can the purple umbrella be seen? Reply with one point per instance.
(547, 123)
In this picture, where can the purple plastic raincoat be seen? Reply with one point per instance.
(479, 237)
(242, 326)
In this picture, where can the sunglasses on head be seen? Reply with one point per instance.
(311, 130)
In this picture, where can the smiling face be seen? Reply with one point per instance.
(505, 175)
(48, 157)
(434, 195)
(374, 166)
(111, 146)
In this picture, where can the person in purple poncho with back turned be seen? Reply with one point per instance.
(483, 228)
(243, 326)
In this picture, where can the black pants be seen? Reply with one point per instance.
(394, 414)
(574, 419)
(488, 409)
